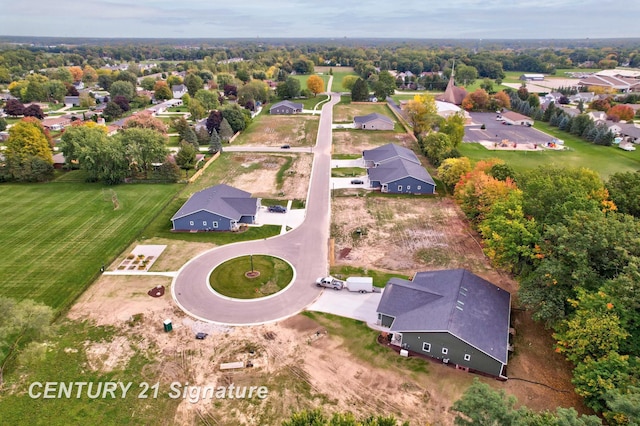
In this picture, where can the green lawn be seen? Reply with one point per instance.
(302, 78)
(605, 160)
(56, 236)
(230, 280)
(347, 171)
(338, 76)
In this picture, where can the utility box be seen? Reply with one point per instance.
(167, 325)
(404, 353)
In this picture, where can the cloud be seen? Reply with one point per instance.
(330, 18)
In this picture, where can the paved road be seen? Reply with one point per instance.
(306, 248)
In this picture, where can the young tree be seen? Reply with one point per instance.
(215, 143)
(146, 120)
(186, 157)
(360, 91)
(226, 132)
(315, 84)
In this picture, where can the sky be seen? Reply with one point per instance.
(467, 19)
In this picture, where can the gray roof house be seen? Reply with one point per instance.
(179, 90)
(377, 156)
(373, 121)
(401, 176)
(217, 208)
(285, 107)
(450, 315)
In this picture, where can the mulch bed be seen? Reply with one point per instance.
(156, 291)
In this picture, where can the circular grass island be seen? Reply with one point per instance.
(236, 278)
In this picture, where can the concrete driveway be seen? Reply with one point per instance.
(348, 304)
(305, 248)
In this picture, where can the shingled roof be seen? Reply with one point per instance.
(370, 117)
(223, 200)
(399, 168)
(453, 94)
(389, 152)
(454, 301)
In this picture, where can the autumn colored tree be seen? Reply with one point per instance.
(600, 105)
(14, 107)
(596, 377)
(620, 112)
(510, 238)
(76, 73)
(89, 74)
(476, 101)
(594, 330)
(422, 113)
(315, 84)
(162, 90)
(501, 100)
(26, 148)
(34, 110)
(145, 120)
(348, 81)
(452, 169)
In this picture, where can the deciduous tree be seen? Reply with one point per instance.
(186, 157)
(146, 120)
(315, 84)
(27, 141)
(122, 88)
(452, 169)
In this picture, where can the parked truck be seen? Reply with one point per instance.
(330, 282)
(360, 284)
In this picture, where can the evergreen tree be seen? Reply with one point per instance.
(226, 132)
(549, 112)
(189, 136)
(360, 91)
(215, 143)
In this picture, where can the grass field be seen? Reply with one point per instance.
(345, 112)
(274, 130)
(57, 236)
(302, 78)
(230, 280)
(605, 160)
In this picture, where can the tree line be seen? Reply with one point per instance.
(573, 242)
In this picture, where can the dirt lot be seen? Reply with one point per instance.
(344, 113)
(432, 233)
(276, 130)
(256, 173)
(354, 142)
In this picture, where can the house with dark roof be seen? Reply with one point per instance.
(217, 208)
(451, 315)
(377, 156)
(397, 170)
(285, 107)
(401, 177)
(373, 121)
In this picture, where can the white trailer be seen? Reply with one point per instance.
(360, 284)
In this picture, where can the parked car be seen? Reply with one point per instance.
(285, 147)
(277, 209)
(357, 182)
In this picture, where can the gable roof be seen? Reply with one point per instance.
(397, 169)
(453, 94)
(515, 116)
(371, 117)
(389, 152)
(288, 104)
(223, 200)
(454, 301)
(179, 88)
(628, 129)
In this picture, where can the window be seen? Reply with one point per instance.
(445, 351)
(399, 188)
(426, 347)
(191, 222)
(419, 187)
(214, 224)
(467, 357)
(408, 187)
(204, 222)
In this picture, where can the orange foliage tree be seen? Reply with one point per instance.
(77, 73)
(621, 112)
(315, 84)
